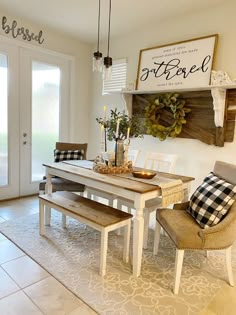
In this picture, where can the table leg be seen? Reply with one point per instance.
(48, 190)
(138, 235)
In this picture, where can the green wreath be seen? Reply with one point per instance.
(168, 109)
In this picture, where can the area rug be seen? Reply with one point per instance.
(71, 255)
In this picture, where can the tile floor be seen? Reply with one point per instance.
(25, 287)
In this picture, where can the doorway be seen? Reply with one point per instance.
(34, 98)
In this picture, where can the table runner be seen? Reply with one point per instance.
(171, 190)
(80, 163)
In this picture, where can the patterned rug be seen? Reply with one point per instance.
(71, 255)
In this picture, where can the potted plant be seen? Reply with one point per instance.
(119, 127)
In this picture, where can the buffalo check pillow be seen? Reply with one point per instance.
(211, 200)
(60, 155)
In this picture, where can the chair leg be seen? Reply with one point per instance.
(47, 215)
(178, 268)
(110, 202)
(129, 210)
(119, 204)
(229, 265)
(63, 220)
(126, 241)
(146, 228)
(41, 218)
(89, 196)
(103, 252)
(156, 238)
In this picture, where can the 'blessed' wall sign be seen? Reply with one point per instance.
(21, 31)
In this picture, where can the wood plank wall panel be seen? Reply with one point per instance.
(200, 121)
(230, 115)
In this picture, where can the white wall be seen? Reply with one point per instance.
(64, 44)
(195, 158)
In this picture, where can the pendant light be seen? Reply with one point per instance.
(107, 66)
(97, 56)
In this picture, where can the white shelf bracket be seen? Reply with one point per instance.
(218, 95)
(127, 100)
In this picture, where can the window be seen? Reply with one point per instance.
(118, 81)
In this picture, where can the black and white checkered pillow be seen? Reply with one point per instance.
(68, 155)
(211, 200)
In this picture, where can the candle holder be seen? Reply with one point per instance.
(126, 149)
(119, 152)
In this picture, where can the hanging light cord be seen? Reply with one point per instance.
(98, 26)
(109, 26)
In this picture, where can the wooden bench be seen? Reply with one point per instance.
(94, 214)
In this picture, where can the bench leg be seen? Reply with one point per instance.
(126, 241)
(103, 252)
(41, 218)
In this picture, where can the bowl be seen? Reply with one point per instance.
(144, 174)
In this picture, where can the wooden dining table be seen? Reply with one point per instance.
(118, 185)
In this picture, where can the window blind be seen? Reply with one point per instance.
(118, 79)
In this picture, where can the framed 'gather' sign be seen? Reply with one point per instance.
(184, 64)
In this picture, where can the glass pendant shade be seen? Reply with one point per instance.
(97, 61)
(107, 68)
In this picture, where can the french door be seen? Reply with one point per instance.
(34, 114)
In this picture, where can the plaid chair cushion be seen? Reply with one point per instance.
(211, 200)
(68, 155)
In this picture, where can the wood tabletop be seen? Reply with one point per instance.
(126, 183)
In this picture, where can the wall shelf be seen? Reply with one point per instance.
(179, 90)
(211, 121)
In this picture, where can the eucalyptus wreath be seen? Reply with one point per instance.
(170, 109)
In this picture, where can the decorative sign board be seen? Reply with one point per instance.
(23, 32)
(184, 64)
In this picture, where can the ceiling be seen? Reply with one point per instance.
(78, 18)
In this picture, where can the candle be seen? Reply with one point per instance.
(102, 131)
(128, 131)
(105, 112)
(102, 140)
(117, 128)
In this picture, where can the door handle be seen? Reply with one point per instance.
(24, 142)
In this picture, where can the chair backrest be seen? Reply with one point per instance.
(64, 146)
(225, 231)
(161, 162)
(226, 171)
(133, 155)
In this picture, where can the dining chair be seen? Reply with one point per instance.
(66, 151)
(96, 194)
(133, 155)
(206, 222)
(156, 161)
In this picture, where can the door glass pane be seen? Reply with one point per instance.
(3, 122)
(45, 115)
